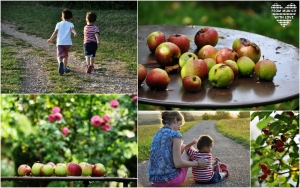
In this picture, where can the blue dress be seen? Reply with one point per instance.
(161, 167)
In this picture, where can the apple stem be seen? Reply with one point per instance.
(221, 37)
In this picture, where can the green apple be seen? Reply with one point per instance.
(210, 62)
(35, 169)
(46, 170)
(186, 56)
(265, 69)
(220, 75)
(232, 65)
(60, 169)
(87, 169)
(245, 65)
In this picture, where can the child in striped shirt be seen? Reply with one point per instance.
(91, 40)
(208, 174)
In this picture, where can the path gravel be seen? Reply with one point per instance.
(110, 77)
(234, 155)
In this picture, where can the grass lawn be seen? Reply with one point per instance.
(118, 29)
(146, 133)
(236, 129)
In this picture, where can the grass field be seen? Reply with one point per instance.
(236, 129)
(146, 133)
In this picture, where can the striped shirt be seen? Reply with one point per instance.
(200, 174)
(89, 33)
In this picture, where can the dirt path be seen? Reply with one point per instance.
(234, 155)
(111, 77)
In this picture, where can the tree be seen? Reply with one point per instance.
(244, 115)
(222, 115)
(61, 129)
(275, 152)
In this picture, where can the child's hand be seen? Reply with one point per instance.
(194, 140)
(98, 42)
(75, 35)
(49, 40)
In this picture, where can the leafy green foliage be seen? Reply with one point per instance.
(44, 141)
(278, 147)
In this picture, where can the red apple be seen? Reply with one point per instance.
(244, 47)
(181, 41)
(73, 169)
(157, 79)
(155, 39)
(24, 170)
(196, 67)
(265, 69)
(225, 54)
(191, 83)
(99, 169)
(206, 36)
(167, 54)
(207, 51)
(142, 74)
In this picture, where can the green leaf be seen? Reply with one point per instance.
(262, 124)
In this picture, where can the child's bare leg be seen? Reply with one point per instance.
(59, 59)
(92, 61)
(65, 60)
(87, 59)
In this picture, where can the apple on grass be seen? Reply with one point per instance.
(167, 54)
(196, 67)
(185, 57)
(191, 83)
(157, 79)
(99, 169)
(24, 170)
(206, 36)
(87, 169)
(60, 169)
(142, 74)
(73, 169)
(154, 39)
(35, 169)
(182, 41)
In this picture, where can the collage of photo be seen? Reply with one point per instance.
(150, 94)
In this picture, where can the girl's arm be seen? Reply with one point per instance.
(97, 38)
(74, 32)
(179, 162)
(52, 36)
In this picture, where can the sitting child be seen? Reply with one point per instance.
(209, 174)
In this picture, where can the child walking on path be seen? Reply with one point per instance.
(91, 40)
(63, 31)
(205, 175)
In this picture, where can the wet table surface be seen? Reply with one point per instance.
(245, 92)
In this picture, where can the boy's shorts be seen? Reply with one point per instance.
(175, 182)
(214, 179)
(63, 50)
(90, 49)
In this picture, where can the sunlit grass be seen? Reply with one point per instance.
(236, 129)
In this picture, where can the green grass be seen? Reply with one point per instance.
(11, 69)
(146, 133)
(236, 129)
(118, 29)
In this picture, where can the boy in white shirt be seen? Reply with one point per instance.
(63, 31)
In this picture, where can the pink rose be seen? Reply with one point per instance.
(56, 109)
(65, 131)
(51, 118)
(58, 116)
(96, 121)
(106, 127)
(106, 118)
(135, 98)
(114, 103)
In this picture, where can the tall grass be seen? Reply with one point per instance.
(236, 129)
(146, 133)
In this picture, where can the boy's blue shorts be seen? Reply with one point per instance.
(90, 49)
(215, 179)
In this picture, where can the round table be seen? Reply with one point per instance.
(244, 92)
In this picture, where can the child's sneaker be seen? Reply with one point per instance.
(67, 69)
(90, 68)
(222, 167)
(61, 68)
